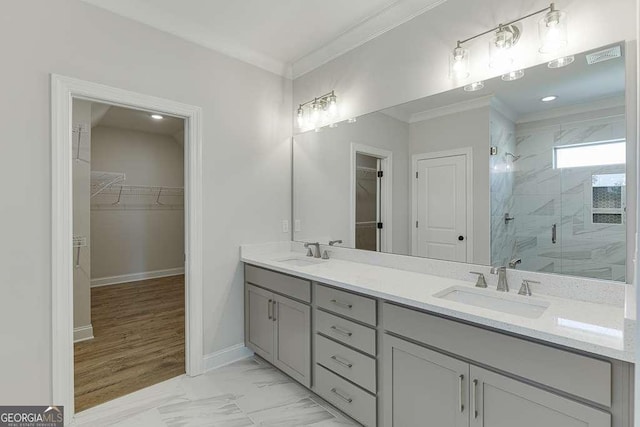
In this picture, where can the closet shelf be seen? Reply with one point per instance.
(139, 197)
(100, 181)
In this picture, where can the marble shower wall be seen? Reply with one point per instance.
(544, 196)
(501, 177)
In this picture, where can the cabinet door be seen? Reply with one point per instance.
(422, 387)
(260, 333)
(292, 353)
(498, 401)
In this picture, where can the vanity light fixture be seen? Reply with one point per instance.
(513, 75)
(472, 87)
(459, 63)
(549, 98)
(552, 29)
(317, 111)
(157, 117)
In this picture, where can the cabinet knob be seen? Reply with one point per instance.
(461, 238)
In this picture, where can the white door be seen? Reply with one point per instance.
(442, 208)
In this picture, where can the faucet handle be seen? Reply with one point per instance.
(481, 283)
(309, 251)
(325, 254)
(525, 289)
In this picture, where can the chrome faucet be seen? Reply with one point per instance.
(514, 262)
(503, 286)
(310, 251)
(333, 242)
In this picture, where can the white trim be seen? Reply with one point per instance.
(135, 277)
(386, 158)
(468, 152)
(458, 107)
(368, 29)
(226, 356)
(83, 333)
(63, 90)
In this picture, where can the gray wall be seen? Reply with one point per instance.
(246, 158)
(447, 133)
(322, 183)
(141, 240)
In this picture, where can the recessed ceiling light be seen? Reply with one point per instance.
(157, 117)
(549, 98)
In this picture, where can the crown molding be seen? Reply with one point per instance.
(374, 26)
(458, 107)
(602, 104)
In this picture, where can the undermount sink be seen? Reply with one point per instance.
(299, 261)
(504, 303)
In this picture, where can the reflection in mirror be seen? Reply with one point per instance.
(532, 169)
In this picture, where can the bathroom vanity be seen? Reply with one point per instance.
(388, 348)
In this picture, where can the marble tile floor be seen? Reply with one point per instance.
(249, 392)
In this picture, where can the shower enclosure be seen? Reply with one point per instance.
(558, 195)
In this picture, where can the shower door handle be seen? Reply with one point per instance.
(554, 230)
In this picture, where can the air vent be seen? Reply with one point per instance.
(604, 55)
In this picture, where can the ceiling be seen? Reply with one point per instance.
(578, 83)
(127, 118)
(274, 35)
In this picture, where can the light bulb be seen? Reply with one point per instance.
(459, 63)
(552, 29)
(332, 105)
(315, 113)
(500, 49)
(301, 117)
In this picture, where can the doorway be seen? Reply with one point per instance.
(128, 226)
(64, 91)
(442, 205)
(371, 197)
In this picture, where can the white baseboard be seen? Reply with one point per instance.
(83, 333)
(126, 278)
(226, 356)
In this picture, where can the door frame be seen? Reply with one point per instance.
(63, 91)
(466, 151)
(386, 202)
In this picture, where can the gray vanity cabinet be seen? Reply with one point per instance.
(279, 331)
(422, 384)
(260, 329)
(498, 401)
(424, 387)
(292, 338)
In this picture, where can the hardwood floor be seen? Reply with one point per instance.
(138, 340)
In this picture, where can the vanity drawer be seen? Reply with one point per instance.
(346, 304)
(352, 365)
(280, 283)
(572, 373)
(347, 397)
(346, 331)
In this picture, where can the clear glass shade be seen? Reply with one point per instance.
(500, 52)
(553, 32)
(459, 64)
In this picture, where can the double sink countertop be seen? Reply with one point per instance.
(585, 326)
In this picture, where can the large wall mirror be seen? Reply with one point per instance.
(530, 172)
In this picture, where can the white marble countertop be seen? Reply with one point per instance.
(590, 327)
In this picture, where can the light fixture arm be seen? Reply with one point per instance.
(550, 8)
(323, 98)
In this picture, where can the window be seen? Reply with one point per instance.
(595, 154)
